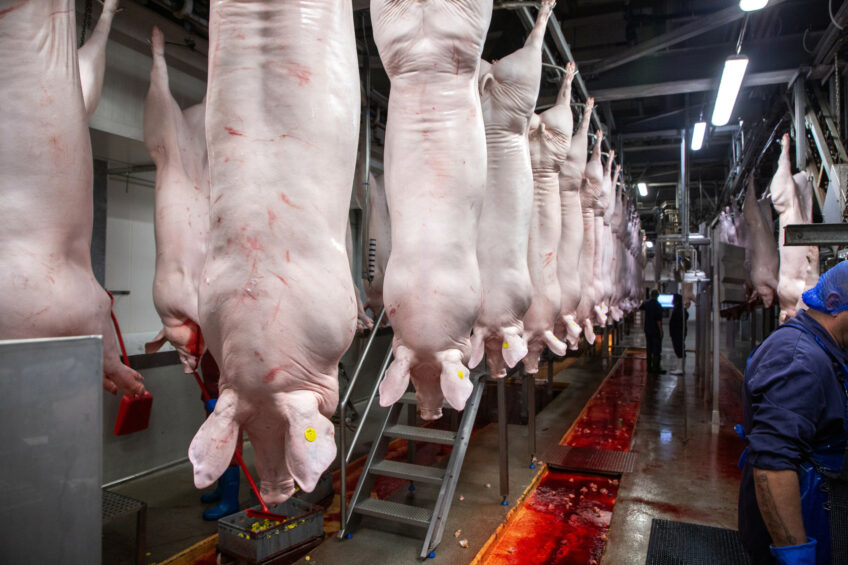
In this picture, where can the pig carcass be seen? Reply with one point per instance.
(550, 140)
(276, 301)
(793, 203)
(47, 285)
(92, 58)
(435, 175)
(176, 140)
(508, 92)
(571, 239)
(607, 259)
(379, 245)
(762, 246)
(618, 269)
(590, 193)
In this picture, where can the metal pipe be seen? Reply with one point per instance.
(342, 417)
(503, 441)
(366, 168)
(531, 417)
(716, 419)
(386, 360)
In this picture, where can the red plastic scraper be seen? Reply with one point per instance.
(134, 412)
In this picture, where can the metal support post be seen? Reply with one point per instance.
(716, 420)
(531, 417)
(503, 442)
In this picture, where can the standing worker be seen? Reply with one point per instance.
(653, 331)
(677, 330)
(795, 414)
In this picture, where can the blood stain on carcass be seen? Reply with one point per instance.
(269, 376)
(272, 217)
(283, 280)
(288, 258)
(220, 196)
(285, 199)
(232, 131)
(259, 356)
(254, 245)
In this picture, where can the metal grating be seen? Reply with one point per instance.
(679, 543)
(839, 520)
(421, 434)
(401, 470)
(414, 515)
(589, 460)
(116, 505)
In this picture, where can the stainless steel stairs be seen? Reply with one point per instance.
(431, 520)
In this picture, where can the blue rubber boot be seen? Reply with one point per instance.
(229, 488)
(214, 496)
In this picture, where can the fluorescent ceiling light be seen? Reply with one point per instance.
(649, 244)
(751, 5)
(643, 189)
(731, 81)
(698, 136)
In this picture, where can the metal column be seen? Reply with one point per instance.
(503, 441)
(531, 417)
(716, 326)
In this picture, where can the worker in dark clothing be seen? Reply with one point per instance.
(653, 331)
(677, 330)
(795, 413)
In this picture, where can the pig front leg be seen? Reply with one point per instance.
(186, 339)
(92, 58)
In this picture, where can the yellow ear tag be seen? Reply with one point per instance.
(506, 345)
(310, 434)
(461, 374)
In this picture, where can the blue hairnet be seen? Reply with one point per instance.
(834, 281)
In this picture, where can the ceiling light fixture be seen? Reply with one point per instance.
(649, 244)
(752, 5)
(643, 189)
(728, 90)
(698, 135)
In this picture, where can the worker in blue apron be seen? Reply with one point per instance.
(796, 409)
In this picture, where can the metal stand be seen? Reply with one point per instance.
(716, 419)
(376, 465)
(531, 418)
(503, 442)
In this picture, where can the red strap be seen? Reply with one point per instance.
(118, 331)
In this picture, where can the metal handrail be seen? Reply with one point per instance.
(344, 454)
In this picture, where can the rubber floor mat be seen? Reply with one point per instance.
(680, 543)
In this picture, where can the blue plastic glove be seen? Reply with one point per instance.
(804, 554)
(210, 405)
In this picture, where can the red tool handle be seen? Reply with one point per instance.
(118, 331)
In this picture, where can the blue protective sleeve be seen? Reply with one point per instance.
(804, 554)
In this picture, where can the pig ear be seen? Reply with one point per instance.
(486, 82)
(455, 379)
(310, 441)
(212, 447)
(477, 347)
(555, 345)
(514, 349)
(156, 344)
(396, 380)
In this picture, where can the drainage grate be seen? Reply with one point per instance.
(116, 505)
(679, 543)
(587, 460)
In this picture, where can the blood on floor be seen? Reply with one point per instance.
(565, 520)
